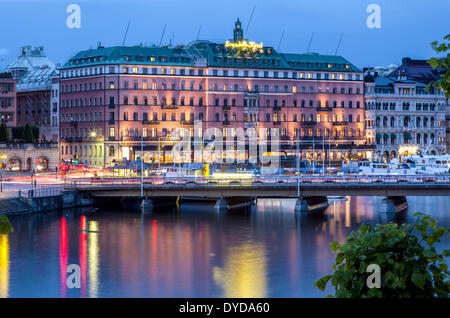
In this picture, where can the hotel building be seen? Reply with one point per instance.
(112, 97)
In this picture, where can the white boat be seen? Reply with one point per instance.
(430, 164)
(395, 168)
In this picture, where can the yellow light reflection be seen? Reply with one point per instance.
(4, 266)
(244, 273)
(93, 259)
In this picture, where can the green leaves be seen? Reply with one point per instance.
(409, 263)
(5, 226)
(442, 63)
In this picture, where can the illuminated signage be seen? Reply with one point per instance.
(244, 45)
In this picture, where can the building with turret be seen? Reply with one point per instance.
(113, 97)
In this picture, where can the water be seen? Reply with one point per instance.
(270, 251)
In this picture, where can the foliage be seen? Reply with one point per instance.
(5, 226)
(4, 134)
(410, 265)
(28, 136)
(18, 132)
(442, 63)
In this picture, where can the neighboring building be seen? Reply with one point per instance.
(30, 58)
(416, 70)
(8, 102)
(29, 157)
(37, 92)
(447, 124)
(402, 117)
(111, 97)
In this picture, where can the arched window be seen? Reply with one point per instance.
(111, 151)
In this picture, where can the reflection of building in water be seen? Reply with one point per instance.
(93, 259)
(245, 273)
(4, 266)
(63, 256)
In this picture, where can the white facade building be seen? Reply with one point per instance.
(403, 117)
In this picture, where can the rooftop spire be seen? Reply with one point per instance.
(238, 33)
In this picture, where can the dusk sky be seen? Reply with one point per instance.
(407, 26)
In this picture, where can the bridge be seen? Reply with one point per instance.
(311, 195)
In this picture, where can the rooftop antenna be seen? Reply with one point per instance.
(198, 33)
(162, 35)
(249, 21)
(279, 44)
(310, 40)
(339, 43)
(126, 32)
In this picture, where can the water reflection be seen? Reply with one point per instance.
(93, 259)
(244, 273)
(191, 251)
(4, 266)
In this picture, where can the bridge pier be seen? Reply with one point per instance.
(151, 204)
(395, 204)
(225, 204)
(310, 204)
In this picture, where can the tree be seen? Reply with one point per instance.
(443, 81)
(28, 134)
(410, 265)
(5, 226)
(4, 134)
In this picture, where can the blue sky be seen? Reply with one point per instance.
(407, 26)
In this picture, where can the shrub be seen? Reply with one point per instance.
(5, 226)
(410, 265)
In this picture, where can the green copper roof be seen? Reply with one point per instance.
(131, 55)
(211, 55)
(319, 62)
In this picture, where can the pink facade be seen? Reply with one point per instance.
(111, 97)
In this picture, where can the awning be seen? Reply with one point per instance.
(393, 136)
(378, 136)
(407, 136)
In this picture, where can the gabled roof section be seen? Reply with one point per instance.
(219, 55)
(319, 62)
(131, 55)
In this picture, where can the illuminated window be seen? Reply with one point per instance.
(135, 70)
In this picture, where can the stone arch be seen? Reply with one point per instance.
(393, 154)
(14, 163)
(43, 163)
(29, 164)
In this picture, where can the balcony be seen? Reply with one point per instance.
(150, 122)
(309, 123)
(131, 138)
(226, 123)
(187, 122)
(111, 122)
(277, 123)
(226, 107)
(324, 109)
(68, 139)
(78, 139)
(111, 106)
(276, 107)
(74, 123)
(340, 123)
(173, 107)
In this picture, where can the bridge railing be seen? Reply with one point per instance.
(265, 179)
(41, 192)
